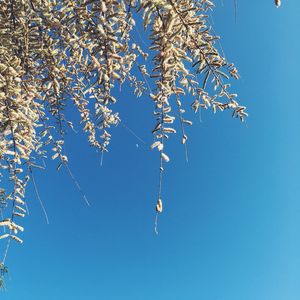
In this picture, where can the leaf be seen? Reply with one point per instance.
(21, 209)
(155, 144)
(159, 206)
(156, 128)
(206, 78)
(55, 155)
(4, 236)
(5, 222)
(165, 157)
(188, 122)
(16, 239)
(169, 130)
(19, 214)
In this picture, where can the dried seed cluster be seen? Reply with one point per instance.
(57, 52)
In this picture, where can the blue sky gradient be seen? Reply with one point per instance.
(231, 223)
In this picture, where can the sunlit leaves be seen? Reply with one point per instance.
(57, 53)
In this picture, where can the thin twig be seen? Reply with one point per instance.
(38, 196)
(101, 162)
(156, 224)
(132, 132)
(77, 185)
(235, 10)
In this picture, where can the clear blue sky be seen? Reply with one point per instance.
(231, 225)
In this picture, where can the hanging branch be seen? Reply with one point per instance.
(53, 53)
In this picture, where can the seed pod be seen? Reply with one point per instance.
(169, 130)
(167, 109)
(184, 138)
(4, 236)
(155, 144)
(188, 122)
(55, 155)
(156, 128)
(159, 207)
(168, 120)
(165, 157)
(16, 239)
(154, 97)
(5, 223)
(19, 200)
(17, 227)
(160, 147)
(116, 75)
(19, 214)
(103, 6)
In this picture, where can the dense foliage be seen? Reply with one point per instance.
(58, 52)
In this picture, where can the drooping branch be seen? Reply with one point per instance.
(55, 53)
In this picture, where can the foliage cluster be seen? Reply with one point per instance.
(54, 53)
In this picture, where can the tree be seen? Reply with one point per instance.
(56, 52)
